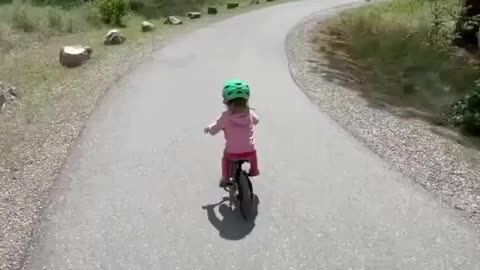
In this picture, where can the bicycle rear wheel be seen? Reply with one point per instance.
(245, 195)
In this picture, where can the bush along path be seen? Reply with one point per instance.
(466, 111)
(397, 84)
(48, 94)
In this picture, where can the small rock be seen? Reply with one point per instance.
(13, 91)
(114, 37)
(232, 5)
(194, 15)
(173, 20)
(3, 100)
(255, 2)
(148, 26)
(73, 56)
(212, 10)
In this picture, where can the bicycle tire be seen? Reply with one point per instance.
(246, 195)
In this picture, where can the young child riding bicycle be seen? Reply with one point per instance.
(237, 123)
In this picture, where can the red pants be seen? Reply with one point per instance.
(229, 157)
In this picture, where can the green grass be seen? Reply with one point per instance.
(25, 17)
(26, 25)
(25, 21)
(405, 51)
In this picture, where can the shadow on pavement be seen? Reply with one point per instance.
(231, 225)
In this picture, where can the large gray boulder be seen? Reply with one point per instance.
(74, 56)
(173, 20)
(194, 15)
(114, 37)
(148, 26)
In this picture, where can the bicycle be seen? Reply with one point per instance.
(243, 188)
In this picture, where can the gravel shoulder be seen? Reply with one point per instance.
(29, 168)
(436, 162)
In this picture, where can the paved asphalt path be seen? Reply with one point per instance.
(132, 193)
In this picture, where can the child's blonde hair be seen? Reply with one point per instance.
(238, 105)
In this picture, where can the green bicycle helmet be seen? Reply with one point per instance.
(236, 89)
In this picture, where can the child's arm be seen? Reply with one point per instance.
(217, 126)
(255, 118)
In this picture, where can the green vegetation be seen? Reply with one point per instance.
(113, 9)
(24, 22)
(466, 111)
(404, 48)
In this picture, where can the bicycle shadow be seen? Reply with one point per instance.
(232, 226)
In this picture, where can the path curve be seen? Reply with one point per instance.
(132, 192)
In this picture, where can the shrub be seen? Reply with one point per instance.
(440, 32)
(69, 26)
(113, 10)
(136, 5)
(466, 111)
(55, 19)
(91, 14)
(6, 42)
(22, 17)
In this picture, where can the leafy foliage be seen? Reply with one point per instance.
(55, 18)
(466, 111)
(113, 10)
(22, 17)
(440, 31)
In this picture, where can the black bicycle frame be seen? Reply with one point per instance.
(236, 170)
